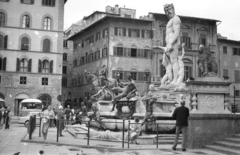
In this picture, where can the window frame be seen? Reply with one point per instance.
(23, 80)
(28, 45)
(44, 81)
(31, 2)
(45, 68)
(52, 3)
(2, 18)
(224, 49)
(26, 21)
(47, 23)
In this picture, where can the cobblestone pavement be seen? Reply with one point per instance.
(10, 143)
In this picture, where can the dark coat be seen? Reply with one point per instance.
(60, 117)
(181, 115)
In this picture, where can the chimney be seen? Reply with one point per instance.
(116, 8)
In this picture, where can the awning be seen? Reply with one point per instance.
(21, 96)
(31, 100)
(2, 100)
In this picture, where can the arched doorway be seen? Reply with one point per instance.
(17, 100)
(46, 99)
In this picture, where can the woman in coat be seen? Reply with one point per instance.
(48, 115)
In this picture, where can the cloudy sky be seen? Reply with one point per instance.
(226, 11)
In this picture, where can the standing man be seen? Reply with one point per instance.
(68, 113)
(202, 60)
(181, 115)
(173, 30)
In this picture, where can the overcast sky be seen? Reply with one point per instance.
(226, 11)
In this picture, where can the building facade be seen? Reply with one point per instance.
(125, 44)
(230, 68)
(31, 50)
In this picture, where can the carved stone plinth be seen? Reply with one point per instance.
(208, 94)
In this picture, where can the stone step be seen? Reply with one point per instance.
(166, 142)
(221, 149)
(228, 145)
(233, 140)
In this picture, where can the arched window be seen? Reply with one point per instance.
(46, 45)
(118, 50)
(2, 19)
(25, 43)
(47, 23)
(45, 66)
(1, 42)
(133, 73)
(26, 21)
(133, 51)
(46, 99)
(24, 65)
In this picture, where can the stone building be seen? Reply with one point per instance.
(230, 67)
(31, 47)
(120, 42)
(125, 44)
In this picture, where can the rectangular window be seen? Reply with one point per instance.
(48, 2)
(75, 46)
(97, 55)
(82, 60)
(23, 80)
(64, 56)
(203, 39)
(187, 72)
(65, 43)
(44, 81)
(64, 71)
(146, 53)
(120, 51)
(225, 72)
(134, 33)
(91, 40)
(105, 32)
(133, 75)
(146, 76)
(133, 52)
(27, 1)
(98, 36)
(237, 93)
(187, 40)
(119, 31)
(75, 63)
(104, 52)
(236, 51)
(64, 82)
(237, 76)
(146, 33)
(224, 49)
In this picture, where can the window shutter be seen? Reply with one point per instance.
(32, 1)
(142, 53)
(53, 2)
(125, 50)
(124, 31)
(5, 42)
(189, 42)
(21, 1)
(164, 36)
(51, 66)
(106, 51)
(138, 53)
(30, 65)
(143, 34)
(18, 65)
(152, 34)
(116, 31)
(39, 66)
(114, 50)
(4, 63)
(129, 32)
(138, 33)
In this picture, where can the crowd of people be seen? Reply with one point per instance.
(5, 117)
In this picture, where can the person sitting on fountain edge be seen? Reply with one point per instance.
(128, 91)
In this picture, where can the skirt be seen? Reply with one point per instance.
(46, 126)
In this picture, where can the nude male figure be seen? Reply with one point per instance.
(173, 30)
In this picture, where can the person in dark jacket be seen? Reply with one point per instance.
(68, 113)
(181, 115)
(60, 118)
